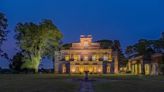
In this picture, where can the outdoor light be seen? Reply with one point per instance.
(99, 70)
(73, 70)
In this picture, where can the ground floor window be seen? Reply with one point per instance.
(90, 68)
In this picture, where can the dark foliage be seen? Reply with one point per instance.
(66, 46)
(17, 62)
(105, 44)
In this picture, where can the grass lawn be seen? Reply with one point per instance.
(62, 83)
(36, 83)
(129, 86)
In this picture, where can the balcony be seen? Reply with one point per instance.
(90, 59)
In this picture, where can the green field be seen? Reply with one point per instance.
(129, 86)
(36, 83)
(71, 83)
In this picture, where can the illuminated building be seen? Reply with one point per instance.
(147, 66)
(86, 56)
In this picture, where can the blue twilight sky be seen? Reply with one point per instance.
(124, 20)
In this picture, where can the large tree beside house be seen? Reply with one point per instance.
(37, 41)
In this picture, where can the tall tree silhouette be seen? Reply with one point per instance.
(3, 33)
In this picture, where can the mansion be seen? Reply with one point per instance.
(86, 56)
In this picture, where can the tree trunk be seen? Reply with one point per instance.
(36, 61)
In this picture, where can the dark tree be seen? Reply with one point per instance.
(105, 44)
(17, 62)
(66, 46)
(142, 47)
(116, 45)
(3, 33)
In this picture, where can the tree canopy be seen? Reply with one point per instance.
(145, 47)
(17, 61)
(105, 44)
(3, 33)
(116, 46)
(66, 46)
(37, 41)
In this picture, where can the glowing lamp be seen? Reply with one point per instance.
(99, 70)
(73, 70)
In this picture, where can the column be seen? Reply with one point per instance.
(116, 64)
(56, 62)
(140, 69)
(136, 69)
(147, 69)
(133, 69)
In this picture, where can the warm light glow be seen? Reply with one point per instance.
(133, 69)
(66, 58)
(97, 57)
(147, 69)
(86, 44)
(99, 70)
(110, 58)
(105, 58)
(140, 70)
(108, 69)
(79, 58)
(90, 69)
(81, 69)
(75, 57)
(63, 68)
(93, 57)
(85, 58)
(73, 70)
(129, 66)
(136, 69)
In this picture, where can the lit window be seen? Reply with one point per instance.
(85, 58)
(86, 44)
(93, 57)
(110, 57)
(79, 57)
(66, 58)
(75, 57)
(105, 58)
(97, 57)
